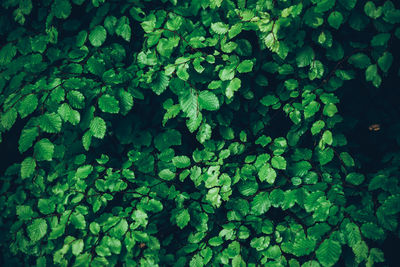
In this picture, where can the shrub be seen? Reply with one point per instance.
(191, 133)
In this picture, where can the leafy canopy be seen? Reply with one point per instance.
(191, 133)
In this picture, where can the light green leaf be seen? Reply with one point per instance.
(317, 127)
(27, 105)
(232, 87)
(123, 29)
(278, 162)
(166, 174)
(330, 110)
(109, 104)
(329, 252)
(50, 122)
(46, 206)
(189, 104)
(28, 167)
(182, 218)
(98, 127)
(98, 36)
(305, 56)
(372, 11)
(181, 161)
(83, 171)
(77, 247)
(160, 83)
(44, 150)
(208, 100)
(260, 204)
(311, 109)
(8, 119)
(37, 229)
(219, 27)
(245, 66)
(182, 72)
(69, 114)
(269, 100)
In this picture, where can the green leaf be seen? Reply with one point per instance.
(8, 119)
(78, 220)
(245, 66)
(83, 171)
(311, 109)
(208, 101)
(61, 9)
(182, 72)
(226, 74)
(46, 206)
(278, 162)
(267, 173)
(24, 212)
(77, 247)
(7, 53)
(371, 74)
(94, 228)
(181, 161)
(329, 252)
(372, 11)
(325, 156)
(160, 83)
(348, 4)
(305, 56)
(330, 110)
(219, 27)
(166, 174)
(50, 122)
(372, 231)
(380, 39)
(360, 60)
(269, 100)
(327, 137)
(260, 204)
(76, 99)
(98, 127)
(37, 229)
(189, 104)
(27, 105)
(28, 136)
(347, 159)
(317, 127)
(355, 178)
(97, 36)
(385, 61)
(335, 19)
(123, 29)
(360, 251)
(69, 114)
(28, 167)
(109, 104)
(232, 87)
(44, 150)
(316, 70)
(182, 218)
(248, 188)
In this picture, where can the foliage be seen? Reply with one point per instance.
(150, 135)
